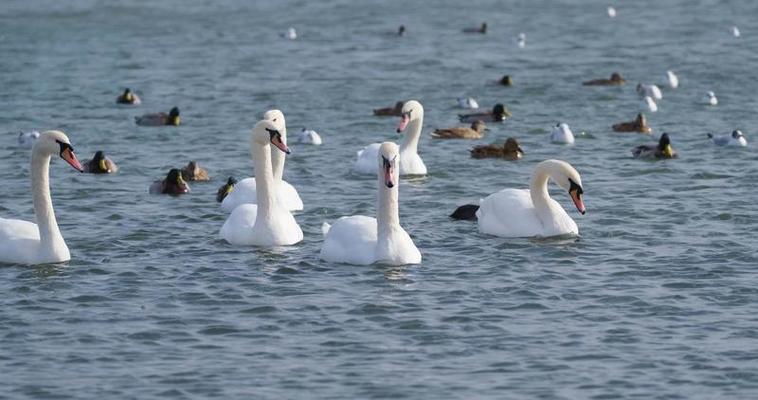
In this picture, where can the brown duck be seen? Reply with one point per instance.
(509, 151)
(638, 125)
(193, 172)
(615, 80)
(395, 111)
(476, 131)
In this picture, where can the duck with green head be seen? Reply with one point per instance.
(128, 97)
(498, 114)
(662, 150)
(173, 184)
(100, 164)
(159, 119)
(225, 189)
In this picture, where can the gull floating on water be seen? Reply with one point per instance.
(27, 139)
(735, 31)
(710, 99)
(291, 34)
(308, 136)
(467, 102)
(562, 134)
(521, 40)
(649, 90)
(611, 12)
(735, 139)
(648, 104)
(671, 80)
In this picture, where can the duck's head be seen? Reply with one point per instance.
(616, 77)
(500, 111)
(483, 29)
(226, 189)
(506, 80)
(128, 96)
(736, 134)
(512, 147)
(567, 178)
(100, 161)
(664, 144)
(388, 164)
(173, 117)
(174, 183)
(641, 120)
(267, 132)
(56, 142)
(401, 30)
(479, 126)
(412, 110)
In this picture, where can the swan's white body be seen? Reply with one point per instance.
(648, 104)
(308, 136)
(267, 223)
(562, 134)
(671, 80)
(710, 99)
(27, 139)
(650, 91)
(245, 190)
(23, 242)
(530, 213)
(410, 162)
(468, 103)
(365, 240)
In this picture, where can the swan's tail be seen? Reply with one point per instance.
(465, 212)
(325, 228)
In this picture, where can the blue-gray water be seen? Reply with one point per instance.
(656, 299)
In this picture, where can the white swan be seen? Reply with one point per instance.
(528, 213)
(410, 162)
(736, 139)
(364, 240)
(710, 99)
(467, 102)
(562, 134)
(308, 136)
(649, 90)
(244, 191)
(267, 223)
(671, 80)
(23, 242)
(27, 139)
(648, 104)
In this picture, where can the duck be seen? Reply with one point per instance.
(193, 172)
(615, 80)
(395, 111)
(670, 79)
(308, 136)
(267, 223)
(736, 139)
(660, 150)
(225, 189)
(23, 242)
(498, 114)
(611, 12)
(562, 134)
(128, 98)
(530, 213)
(27, 139)
(363, 240)
(173, 184)
(482, 29)
(291, 34)
(476, 131)
(510, 150)
(159, 119)
(710, 99)
(506, 80)
(245, 192)
(521, 40)
(467, 102)
(401, 30)
(410, 162)
(100, 164)
(652, 91)
(638, 125)
(648, 104)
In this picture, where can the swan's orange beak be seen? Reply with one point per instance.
(68, 155)
(576, 195)
(277, 141)
(389, 181)
(404, 119)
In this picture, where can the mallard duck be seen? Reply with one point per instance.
(193, 172)
(395, 111)
(509, 151)
(100, 164)
(159, 119)
(401, 30)
(615, 79)
(482, 29)
(476, 131)
(225, 189)
(506, 80)
(498, 114)
(661, 150)
(736, 139)
(128, 98)
(173, 184)
(638, 125)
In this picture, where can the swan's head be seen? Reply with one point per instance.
(412, 110)
(277, 116)
(512, 147)
(664, 145)
(567, 178)
(173, 116)
(56, 142)
(388, 159)
(736, 134)
(267, 132)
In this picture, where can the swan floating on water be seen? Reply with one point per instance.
(365, 240)
(410, 162)
(736, 139)
(529, 213)
(245, 190)
(266, 223)
(562, 134)
(23, 242)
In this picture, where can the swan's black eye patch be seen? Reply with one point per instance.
(64, 146)
(273, 133)
(573, 186)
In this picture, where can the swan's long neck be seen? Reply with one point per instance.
(264, 180)
(277, 159)
(410, 143)
(538, 191)
(387, 216)
(49, 233)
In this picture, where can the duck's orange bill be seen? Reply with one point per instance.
(403, 123)
(577, 201)
(70, 158)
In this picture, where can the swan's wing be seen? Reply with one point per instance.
(19, 241)
(289, 197)
(351, 240)
(410, 164)
(509, 213)
(238, 228)
(243, 193)
(367, 159)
